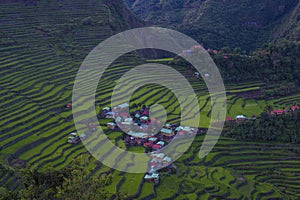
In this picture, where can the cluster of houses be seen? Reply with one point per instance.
(193, 48)
(157, 160)
(142, 131)
(74, 138)
(138, 125)
(152, 176)
(162, 138)
(283, 111)
(239, 118)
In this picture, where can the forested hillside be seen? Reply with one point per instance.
(276, 66)
(269, 128)
(234, 23)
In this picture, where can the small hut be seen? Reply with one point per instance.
(167, 132)
(111, 125)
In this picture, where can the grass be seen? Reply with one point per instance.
(137, 149)
(160, 60)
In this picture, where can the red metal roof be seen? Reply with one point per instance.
(228, 118)
(156, 146)
(148, 144)
(277, 111)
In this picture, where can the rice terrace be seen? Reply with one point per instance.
(42, 156)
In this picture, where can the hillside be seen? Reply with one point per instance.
(62, 27)
(42, 45)
(233, 23)
(290, 26)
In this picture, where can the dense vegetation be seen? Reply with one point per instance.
(235, 23)
(283, 128)
(72, 182)
(277, 66)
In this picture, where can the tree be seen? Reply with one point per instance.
(70, 183)
(6, 194)
(264, 116)
(268, 108)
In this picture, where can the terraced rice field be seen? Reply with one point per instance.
(36, 83)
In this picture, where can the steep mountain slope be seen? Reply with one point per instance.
(235, 23)
(42, 45)
(290, 26)
(66, 27)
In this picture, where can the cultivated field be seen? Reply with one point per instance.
(36, 83)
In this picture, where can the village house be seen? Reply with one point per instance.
(138, 134)
(68, 105)
(144, 128)
(151, 143)
(144, 119)
(167, 160)
(127, 121)
(185, 130)
(293, 108)
(106, 108)
(154, 162)
(137, 115)
(82, 136)
(161, 143)
(228, 118)
(156, 146)
(167, 126)
(152, 176)
(123, 115)
(118, 119)
(103, 112)
(109, 115)
(240, 118)
(111, 125)
(197, 74)
(160, 159)
(148, 145)
(73, 138)
(126, 124)
(167, 132)
(160, 156)
(277, 112)
(122, 106)
(152, 139)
